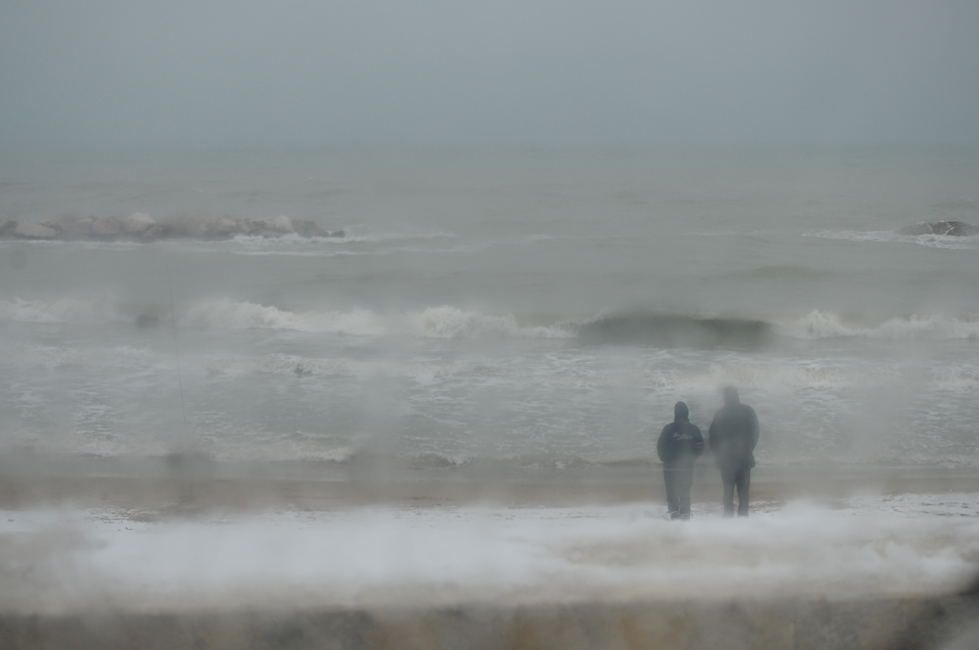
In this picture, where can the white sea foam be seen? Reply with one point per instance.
(351, 236)
(443, 555)
(819, 324)
(449, 323)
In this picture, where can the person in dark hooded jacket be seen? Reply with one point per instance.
(733, 435)
(679, 445)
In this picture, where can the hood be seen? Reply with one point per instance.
(680, 411)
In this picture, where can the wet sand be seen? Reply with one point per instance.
(805, 624)
(192, 482)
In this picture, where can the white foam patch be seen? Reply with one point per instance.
(66, 561)
(818, 325)
(449, 323)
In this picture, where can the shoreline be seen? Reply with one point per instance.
(30, 479)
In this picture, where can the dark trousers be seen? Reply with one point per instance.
(679, 479)
(739, 478)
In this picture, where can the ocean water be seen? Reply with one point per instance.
(533, 307)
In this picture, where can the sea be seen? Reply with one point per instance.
(495, 306)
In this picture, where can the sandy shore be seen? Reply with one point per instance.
(197, 483)
(804, 624)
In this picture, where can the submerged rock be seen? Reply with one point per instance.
(948, 228)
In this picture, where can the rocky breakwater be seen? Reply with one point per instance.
(948, 228)
(140, 227)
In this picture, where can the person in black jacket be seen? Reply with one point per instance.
(733, 435)
(679, 445)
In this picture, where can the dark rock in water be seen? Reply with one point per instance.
(948, 228)
(137, 223)
(30, 230)
(76, 228)
(222, 228)
(189, 225)
(308, 228)
(670, 331)
(106, 227)
(335, 233)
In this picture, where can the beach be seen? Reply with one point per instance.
(152, 554)
(409, 325)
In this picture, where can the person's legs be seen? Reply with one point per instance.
(727, 478)
(684, 480)
(672, 498)
(743, 482)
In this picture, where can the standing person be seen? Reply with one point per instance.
(679, 445)
(733, 435)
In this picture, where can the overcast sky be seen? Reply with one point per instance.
(529, 70)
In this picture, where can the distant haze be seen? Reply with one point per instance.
(109, 71)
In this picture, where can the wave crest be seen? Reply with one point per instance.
(451, 323)
(819, 325)
(435, 322)
(227, 314)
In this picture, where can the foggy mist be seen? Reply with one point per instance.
(359, 324)
(306, 72)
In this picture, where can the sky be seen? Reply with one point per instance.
(298, 71)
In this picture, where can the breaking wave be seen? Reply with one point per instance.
(227, 314)
(435, 322)
(451, 323)
(447, 322)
